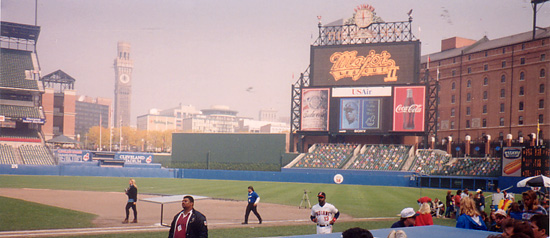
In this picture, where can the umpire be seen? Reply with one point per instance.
(253, 200)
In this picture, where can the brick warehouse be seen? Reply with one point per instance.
(492, 87)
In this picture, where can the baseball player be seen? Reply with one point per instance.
(324, 214)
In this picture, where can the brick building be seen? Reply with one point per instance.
(493, 87)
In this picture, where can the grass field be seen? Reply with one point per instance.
(356, 200)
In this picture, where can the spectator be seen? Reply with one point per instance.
(539, 224)
(500, 215)
(408, 218)
(515, 211)
(424, 216)
(456, 201)
(438, 208)
(522, 229)
(495, 199)
(465, 193)
(531, 205)
(470, 218)
(356, 232)
(480, 200)
(449, 204)
(508, 227)
(505, 202)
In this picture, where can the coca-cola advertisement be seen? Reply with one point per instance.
(408, 108)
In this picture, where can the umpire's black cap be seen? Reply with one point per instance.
(321, 195)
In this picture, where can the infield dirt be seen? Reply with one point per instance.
(109, 207)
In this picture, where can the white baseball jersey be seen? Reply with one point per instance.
(324, 214)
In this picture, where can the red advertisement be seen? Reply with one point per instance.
(409, 105)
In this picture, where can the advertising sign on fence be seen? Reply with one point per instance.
(73, 155)
(135, 158)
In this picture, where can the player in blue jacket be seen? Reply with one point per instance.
(253, 200)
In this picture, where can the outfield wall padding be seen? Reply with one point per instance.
(380, 178)
(86, 170)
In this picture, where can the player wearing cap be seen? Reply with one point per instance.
(408, 218)
(324, 214)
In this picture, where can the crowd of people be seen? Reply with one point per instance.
(487, 167)
(382, 157)
(429, 161)
(509, 218)
(327, 156)
(394, 158)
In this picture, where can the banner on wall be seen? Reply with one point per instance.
(315, 109)
(409, 108)
(64, 155)
(135, 158)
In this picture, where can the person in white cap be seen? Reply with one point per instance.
(408, 218)
(480, 200)
(500, 215)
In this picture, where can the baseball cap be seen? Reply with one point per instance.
(500, 212)
(408, 212)
(321, 195)
(478, 190)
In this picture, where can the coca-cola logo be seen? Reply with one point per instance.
(414, 108)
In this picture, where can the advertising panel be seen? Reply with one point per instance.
(365, 64)
(315, 109)
(408, 108)
(511, 161)
(73, 155)
(359, 114)
(134, 158)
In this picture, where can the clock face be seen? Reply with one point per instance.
(124, 78)
(363, 18)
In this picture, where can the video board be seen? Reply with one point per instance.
(364, 110)
(366, 64)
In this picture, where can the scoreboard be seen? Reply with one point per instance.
(535, 161)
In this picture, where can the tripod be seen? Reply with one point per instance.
(305, 198)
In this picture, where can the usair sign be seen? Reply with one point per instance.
(365, 64)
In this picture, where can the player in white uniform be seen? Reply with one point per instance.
(324, 214)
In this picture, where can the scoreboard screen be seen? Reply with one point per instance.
(535, 161)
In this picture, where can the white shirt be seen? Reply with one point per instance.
(324, 214)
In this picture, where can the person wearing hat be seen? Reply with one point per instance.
(324, 214)
(500, 215)
(480, 200)
(408, 218)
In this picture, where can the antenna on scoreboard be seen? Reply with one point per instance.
(305, 198)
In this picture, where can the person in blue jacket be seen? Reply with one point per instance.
(253, 200)
(470, 218)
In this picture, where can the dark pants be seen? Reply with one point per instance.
(133, 206)
(249, 208)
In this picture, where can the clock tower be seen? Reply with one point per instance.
(123, 85)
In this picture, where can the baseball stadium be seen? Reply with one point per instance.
(364, 130)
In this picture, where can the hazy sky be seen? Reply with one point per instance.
(207, 52)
